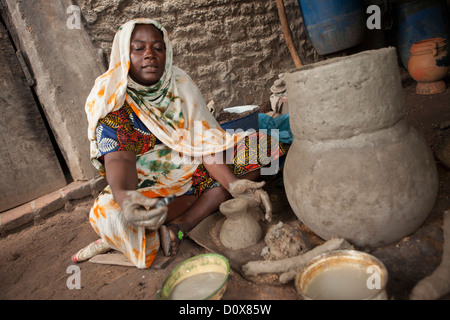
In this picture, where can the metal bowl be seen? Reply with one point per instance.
(343, 275)
(248, 122)
(202, 277)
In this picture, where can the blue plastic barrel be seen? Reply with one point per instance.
(334, 25)
(416, 20)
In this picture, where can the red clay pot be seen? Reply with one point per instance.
(429, 65)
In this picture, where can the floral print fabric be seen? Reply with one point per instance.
(170, 130)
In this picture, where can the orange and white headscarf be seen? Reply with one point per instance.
(173, 109)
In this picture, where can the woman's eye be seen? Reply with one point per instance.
(138, 48)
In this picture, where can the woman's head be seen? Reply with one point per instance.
(147, 54)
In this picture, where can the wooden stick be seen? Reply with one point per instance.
(287, 33)
(285, 265)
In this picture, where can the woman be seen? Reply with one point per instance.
(152, 136)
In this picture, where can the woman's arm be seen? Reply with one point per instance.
(121, 174)
(216, 166)
(238, 188)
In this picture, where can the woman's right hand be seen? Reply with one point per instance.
(122, 177)
(140, 210)
(253, 192)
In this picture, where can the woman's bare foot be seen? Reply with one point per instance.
(176, 236)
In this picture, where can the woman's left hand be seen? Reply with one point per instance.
(253, 192)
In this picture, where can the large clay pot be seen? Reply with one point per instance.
(356, 168)
(429, 64)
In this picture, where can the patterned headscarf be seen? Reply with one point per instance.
(173, 109)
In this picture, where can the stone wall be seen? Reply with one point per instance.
(233, 49)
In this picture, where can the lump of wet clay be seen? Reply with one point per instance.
(284, 241)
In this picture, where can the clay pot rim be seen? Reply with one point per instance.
(233, 205)
(424, 46)
(338, 61)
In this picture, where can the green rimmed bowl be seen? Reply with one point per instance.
(202, 277)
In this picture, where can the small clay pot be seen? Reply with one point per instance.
(240, 230)
(429, 64)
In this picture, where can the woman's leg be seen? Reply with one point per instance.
(179, 206)
(136, 243)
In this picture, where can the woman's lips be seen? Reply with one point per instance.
(150, 68)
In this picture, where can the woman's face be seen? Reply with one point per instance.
(147, 54)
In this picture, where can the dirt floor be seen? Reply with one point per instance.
(34, 261)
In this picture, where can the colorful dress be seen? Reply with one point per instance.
(170, 129)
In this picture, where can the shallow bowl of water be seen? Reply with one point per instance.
(343, 275)
(202, 277)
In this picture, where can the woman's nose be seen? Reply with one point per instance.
(148, 53)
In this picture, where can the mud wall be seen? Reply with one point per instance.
(233, 49)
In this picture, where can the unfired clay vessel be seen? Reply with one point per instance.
(356, 168)
(240, 230)
(429, 64)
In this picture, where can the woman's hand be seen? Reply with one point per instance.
(252, 191)
(239, 188)
(140, 210)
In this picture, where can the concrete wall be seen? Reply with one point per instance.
(29, 167)
(64, 64)
(233, 49)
